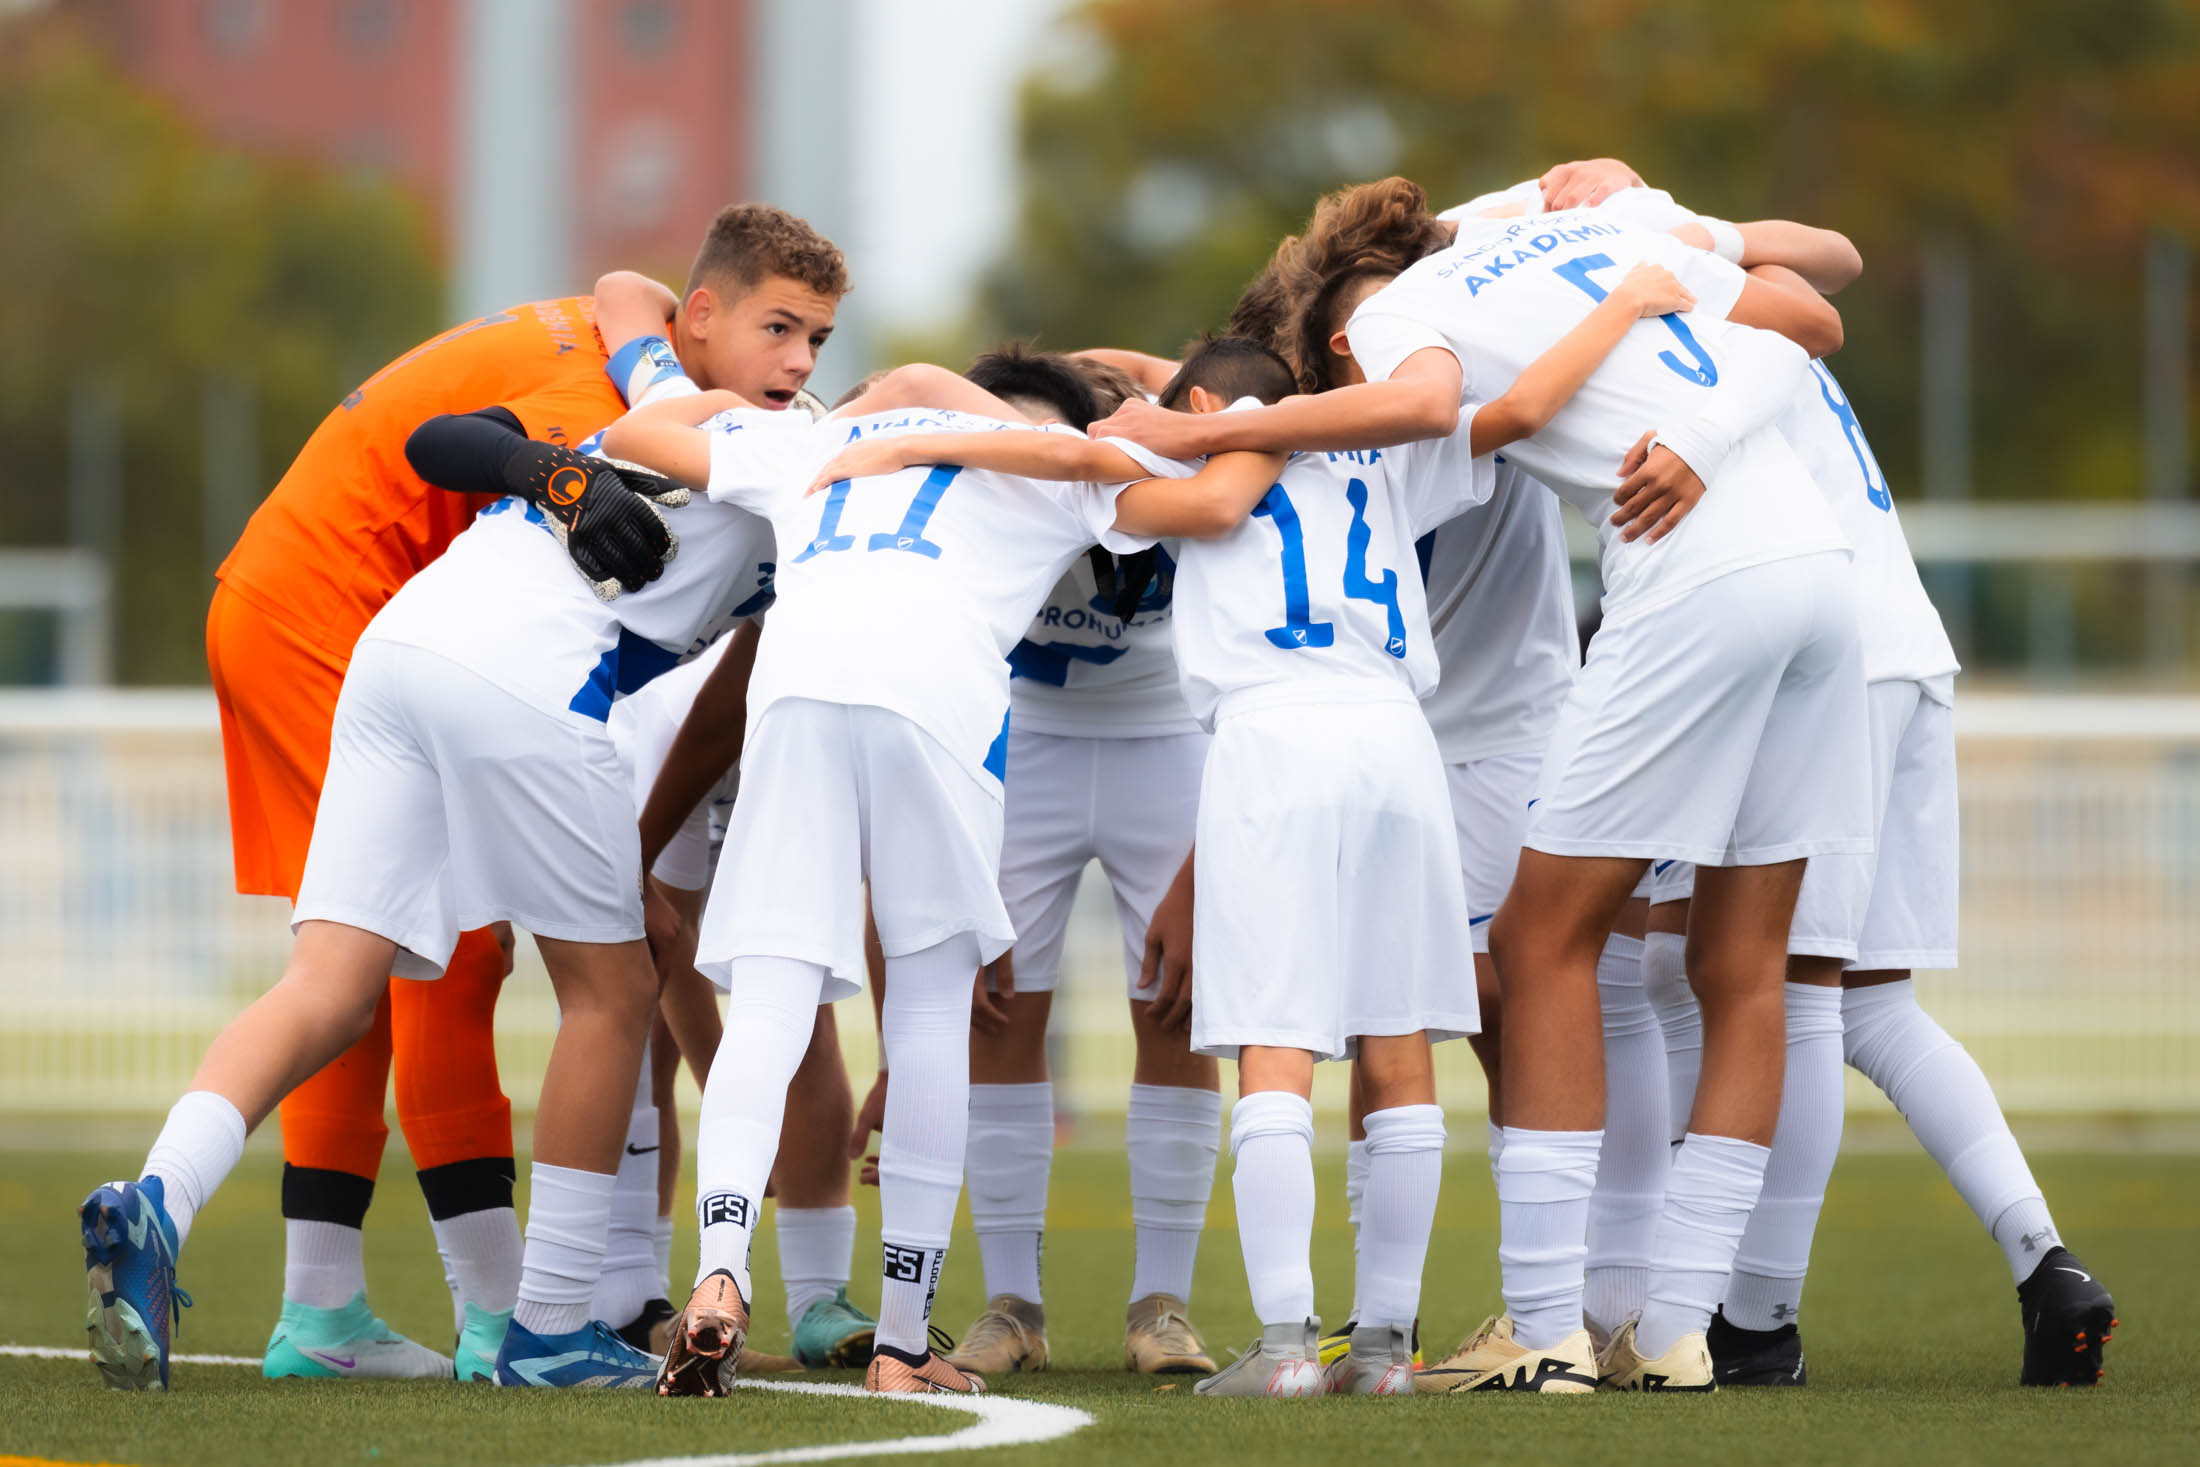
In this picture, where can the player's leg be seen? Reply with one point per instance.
(1665, 984)
(458, 1125)
(1147, 812)
(627, 1287)
(1046, 841)
(134, 1230)
(1269, 994)
(1173, 1138)
(1807, 793)
(1546, 941)
(795, 838)
(1933, 1080)
(925, 1028)
(277, 690)
(1631, 1166)
(1404, 1127)
(811, 1211)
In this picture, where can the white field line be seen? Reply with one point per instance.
(1000, 1422)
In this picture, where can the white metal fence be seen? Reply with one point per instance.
(123, 946)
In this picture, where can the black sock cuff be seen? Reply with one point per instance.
(476, 1185)
(315, 1194)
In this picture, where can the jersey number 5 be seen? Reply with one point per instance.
(1699, 369)
(909, 537)
(1299, 629)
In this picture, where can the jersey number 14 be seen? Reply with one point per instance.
(1299, 629)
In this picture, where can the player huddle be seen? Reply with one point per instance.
(583, 619)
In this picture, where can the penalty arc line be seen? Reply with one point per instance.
(1000, 1422)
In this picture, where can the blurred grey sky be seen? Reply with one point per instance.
(936, 144)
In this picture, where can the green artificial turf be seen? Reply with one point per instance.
(1910, 1327)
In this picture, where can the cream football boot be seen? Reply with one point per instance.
(1010, 1336)
(1685, 1367)
(1158, 1338)
(1489, 1360)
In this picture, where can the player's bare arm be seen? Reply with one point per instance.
(1420, 400)
(667, 438)
(631, 305)
(1212, 502)
(1552, 379)
(924, 385)
(1028, 454)
(707, 745)
(1585, 183)
(1150, 372)
(1806, 318)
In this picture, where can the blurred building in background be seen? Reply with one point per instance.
(551, 139)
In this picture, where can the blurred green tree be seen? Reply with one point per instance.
(139, 256)
(1178, 139)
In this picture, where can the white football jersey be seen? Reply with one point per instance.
(506, 603)
(1081, 671)
(906, 591)
(1509, 290)
(1902, 632)
(1319, 591)
(1501, 617)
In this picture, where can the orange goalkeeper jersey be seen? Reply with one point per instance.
(350, 521)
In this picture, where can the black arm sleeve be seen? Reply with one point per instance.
(466, 453)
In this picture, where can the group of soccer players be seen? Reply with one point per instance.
(585, 619)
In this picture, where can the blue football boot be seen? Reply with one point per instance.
(132, 1300)
(591, 1356)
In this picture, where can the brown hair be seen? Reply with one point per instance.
(748, 244)
(1266, 307)
(1111, 386)
(1387, 221)
(1321, 315)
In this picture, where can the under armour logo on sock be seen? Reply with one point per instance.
(2032, 1241)
(1786, 1311)
(725, 1207)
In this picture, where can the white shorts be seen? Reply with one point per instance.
(1489, 807)
(1327, 901)
(1130, 804)
(833, 796)
(451, 804)
(1897, 906)
(1725, 728)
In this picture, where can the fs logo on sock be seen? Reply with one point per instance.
(725, 1207)
(915, 1266)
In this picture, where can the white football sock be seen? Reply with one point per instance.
(1630, 1189)
(1543, 1183)
(771, 1009)
(1945, 1097)
(925, 1027)
(198, 1144)
(1405, 1168)
(1708, 1197)
(816, 1245)
(568, 1219)
(1173, 1135)
(661, 1247)
(1272, 1144)
(324, 1263)
(1010, 1153)
(1766, 1290)
(1355, 1201)
(1665, 983)
(481, 1260)
(630, 1253)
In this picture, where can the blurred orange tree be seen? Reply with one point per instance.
(140, 258)
(1177, 139)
